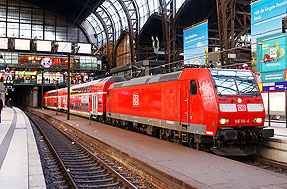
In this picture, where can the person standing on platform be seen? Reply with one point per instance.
(10, 103)
(1, 107)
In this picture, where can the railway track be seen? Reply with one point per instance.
(263, 163)
(78, 167)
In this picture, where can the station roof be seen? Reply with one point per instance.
(112, 15)
(106, 20)
(69, 8)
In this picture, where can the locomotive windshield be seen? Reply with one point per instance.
(233, 82)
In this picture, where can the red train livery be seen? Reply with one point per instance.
(87, 99)
(206, 108)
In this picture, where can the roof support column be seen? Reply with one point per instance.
(165, 30)
(131, 33)
(108, 40)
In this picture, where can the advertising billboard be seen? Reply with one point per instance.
(269, 43)
(195, 44)
(271, 53)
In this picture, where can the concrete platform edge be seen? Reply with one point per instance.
(36, 175)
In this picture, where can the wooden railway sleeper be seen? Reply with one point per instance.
(76, 160)
(101, 186)
(87, 172)
(87, 166)
(92, 176)
(80, 163)
(94, 181)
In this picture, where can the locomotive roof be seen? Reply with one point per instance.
(149, 79)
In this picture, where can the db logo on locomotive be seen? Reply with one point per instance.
(136, 100)
(241, 107)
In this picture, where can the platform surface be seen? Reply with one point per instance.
(280, 130)
(20, 165)
(199, 169)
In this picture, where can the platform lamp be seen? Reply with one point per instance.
(42, 90)
(69, 83)
(74, 51)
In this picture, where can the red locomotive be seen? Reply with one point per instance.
(211, 108)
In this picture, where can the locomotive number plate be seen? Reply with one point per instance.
(241, 107)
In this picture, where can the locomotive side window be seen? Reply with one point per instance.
(193, 87)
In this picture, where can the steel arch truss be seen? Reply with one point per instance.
(131, 12)
(108, 48)
(108, 21)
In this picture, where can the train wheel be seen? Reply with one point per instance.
(163, 134)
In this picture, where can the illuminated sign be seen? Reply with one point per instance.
(65, 47)
(276, 86)
(43, 46)
(85, 48)
(46, 62)
(3, 43)
(22, 44)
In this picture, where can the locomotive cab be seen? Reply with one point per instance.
(241, 112)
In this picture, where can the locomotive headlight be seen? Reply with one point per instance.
(223, 121)
(257, 120)
(239, 100)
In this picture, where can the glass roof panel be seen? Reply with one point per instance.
(153, 6)
(99, 30)
(145, 9)
(179, 4)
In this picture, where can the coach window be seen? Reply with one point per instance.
(193, 87)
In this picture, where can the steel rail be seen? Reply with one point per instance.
(271, 162)
(53, 150)
(120, 178)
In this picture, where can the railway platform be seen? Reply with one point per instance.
(20, 165)
(186, 167)
(275, 148)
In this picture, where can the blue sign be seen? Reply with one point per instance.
(266, 17)
(276, 86)
(266, 27)
(195, 44)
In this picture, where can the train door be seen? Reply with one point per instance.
(95, 104)
(195, 103)
(184, 104)
(59, 102)
(65, 101)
